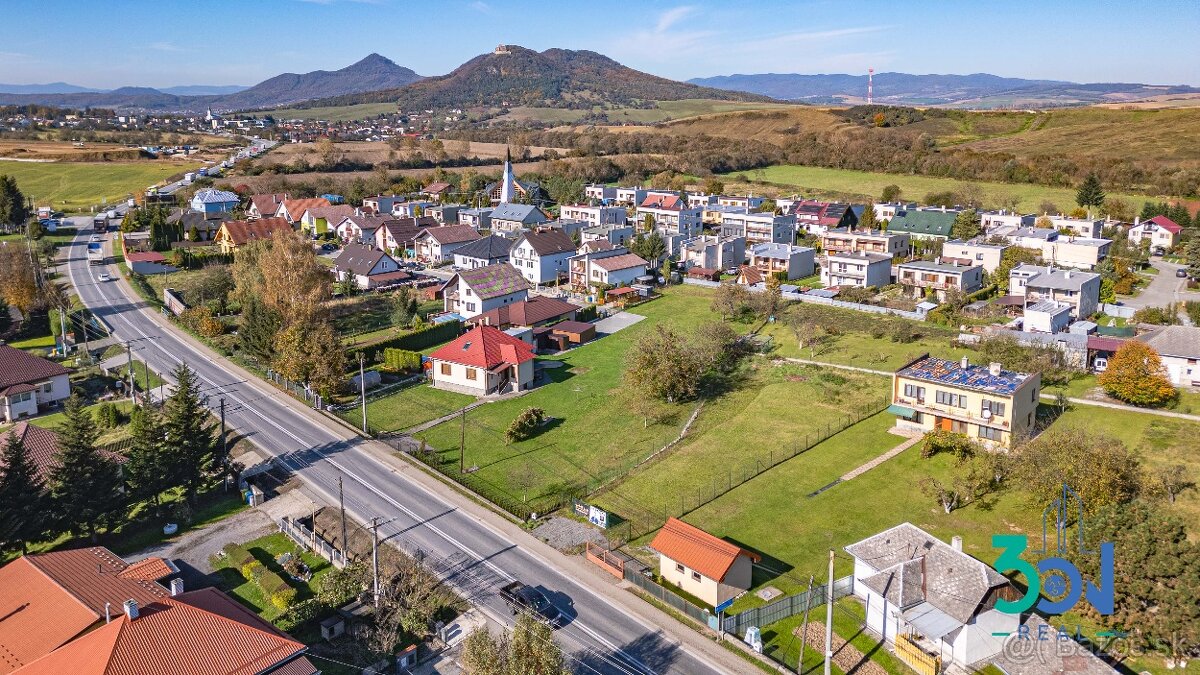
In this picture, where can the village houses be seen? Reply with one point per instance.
(713, 252)
(924, 277)
(706, 567)
(759, 228)
(482, 362)
(28, 383)
(846, 240)
(542, 257)
(794, 262)
(593, 215)
(1034, 283)
(512, 219)
(436, 245)
(470, 293)
(864, 270)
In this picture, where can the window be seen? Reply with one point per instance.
(466, 291)
(695, 576)
(679, 568)
(996, 408)
(47, 388)
(990, 434)
(950, 399)
(445, 368)
(913, 391)
(470, 306)
(471, 373)
(1033, 395)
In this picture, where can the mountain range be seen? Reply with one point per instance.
(371, 73)
(976, 90)
(513, 76)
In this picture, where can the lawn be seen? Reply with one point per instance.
(73, 186)
(860, 349)
(591, 438)
(407, 408)
(775, 516)
(56, 420)
(730, 439)
(781, 644)
(848, 184)
(266, 550)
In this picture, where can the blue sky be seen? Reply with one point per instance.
(176, 42)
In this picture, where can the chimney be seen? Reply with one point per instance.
(1137, 220)
(176, 587)
(966, 363)
(994, 368)
(131, 609)
(1066, 274)
(107, 612)
(956, 541)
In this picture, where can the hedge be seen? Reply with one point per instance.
(301, 613)
(418, 340)
(282, 599)
(238, 556)
(588, 313)
(401, 359)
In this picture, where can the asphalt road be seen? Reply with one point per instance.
(472, 554)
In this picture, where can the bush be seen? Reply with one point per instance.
(588, 313)
(251, 570)
(1159, 316)
(283, 598)
(525, 425)
(401, 360)
(301, 613)
(269, 581)
(108, 415)
(939, 440)
(422, 338)
(237, 556)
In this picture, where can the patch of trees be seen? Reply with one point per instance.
(889, 115)
(665, 365)
(1136, 375)
(282, 290)
(528, 650)
(87, 491)
(14, 210)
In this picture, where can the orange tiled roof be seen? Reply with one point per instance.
(149, 569)
(242, 231)
(197, 633)
(697, 549)
(485, 347)
(296, 207)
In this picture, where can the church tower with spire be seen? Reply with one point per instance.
(507, 180)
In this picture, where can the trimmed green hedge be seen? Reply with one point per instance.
(238, 556)
(401, 360)
(417, 340)
(588, 313)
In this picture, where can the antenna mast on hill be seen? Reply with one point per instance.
(870, 78)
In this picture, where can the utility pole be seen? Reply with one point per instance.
(62, 329)
(829, 616)
(375, 557)
(342, 504)
(224, 443)
(129, 362)
(804, 628)
(462, 443)
(362, 382)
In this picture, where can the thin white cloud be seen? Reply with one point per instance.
(165, 47)
(481, 7)
(16, 57)
(672, 16)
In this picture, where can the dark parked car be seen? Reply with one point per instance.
(522, 598)
(1181, 272)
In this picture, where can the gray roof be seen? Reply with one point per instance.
(214, 196)
(777, 250)
(1050, 306)
(953, 581)
(1039, 276)
(492, 281)
(1047, 657)
(549, 242)
(522, 213)
(359, 260)
(1034, 233)
(1084, 241)
(492, 247)
(1182, 341)
(932, 266)
(976, 243)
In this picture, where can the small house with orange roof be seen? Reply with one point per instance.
(484, 361)
(237, 233)
(703, 565)
(292, 210)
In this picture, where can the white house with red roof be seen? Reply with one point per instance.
(671, 215)
(29, 382)
(482, 362)
(1159, 231)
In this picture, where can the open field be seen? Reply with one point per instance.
(591, 438)
(379, 151)
(407, 408)
(851, 348)
(79, 185)
(65, 151)
(859, 185)
(730, 437)
(664, 110)
(343, 113)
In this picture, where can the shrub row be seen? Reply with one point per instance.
(418, 340)
(398, 360)
(278, 592)
(588, 313)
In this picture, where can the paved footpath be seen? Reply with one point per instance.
(860, 470)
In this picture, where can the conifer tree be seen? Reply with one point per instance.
(190, 440)
(85, 484)
(25, 511)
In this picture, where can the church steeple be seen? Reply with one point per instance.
(507, 180)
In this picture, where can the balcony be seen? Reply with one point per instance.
(961, 414)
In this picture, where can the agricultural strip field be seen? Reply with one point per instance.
(665, 110)
(848, 184)
(79, 185)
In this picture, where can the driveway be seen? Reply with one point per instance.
(1163, 289)
(616, 322)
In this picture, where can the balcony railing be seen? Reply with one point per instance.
(942, 410)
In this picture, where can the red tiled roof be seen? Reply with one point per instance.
(149, 569)
(38, 615)
(330, 213)
(694, 548)
(526, 312)
(268, 204)
(197, 633)
(750, 275)
(19, 367)
(620, 262)
(243, 231)
(1102, 343)
(436, 187)
(41, 445)
(669, 202)
(485, 347)
(296, 207)
(144, 256)
(1166, 224)
(451, 234)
